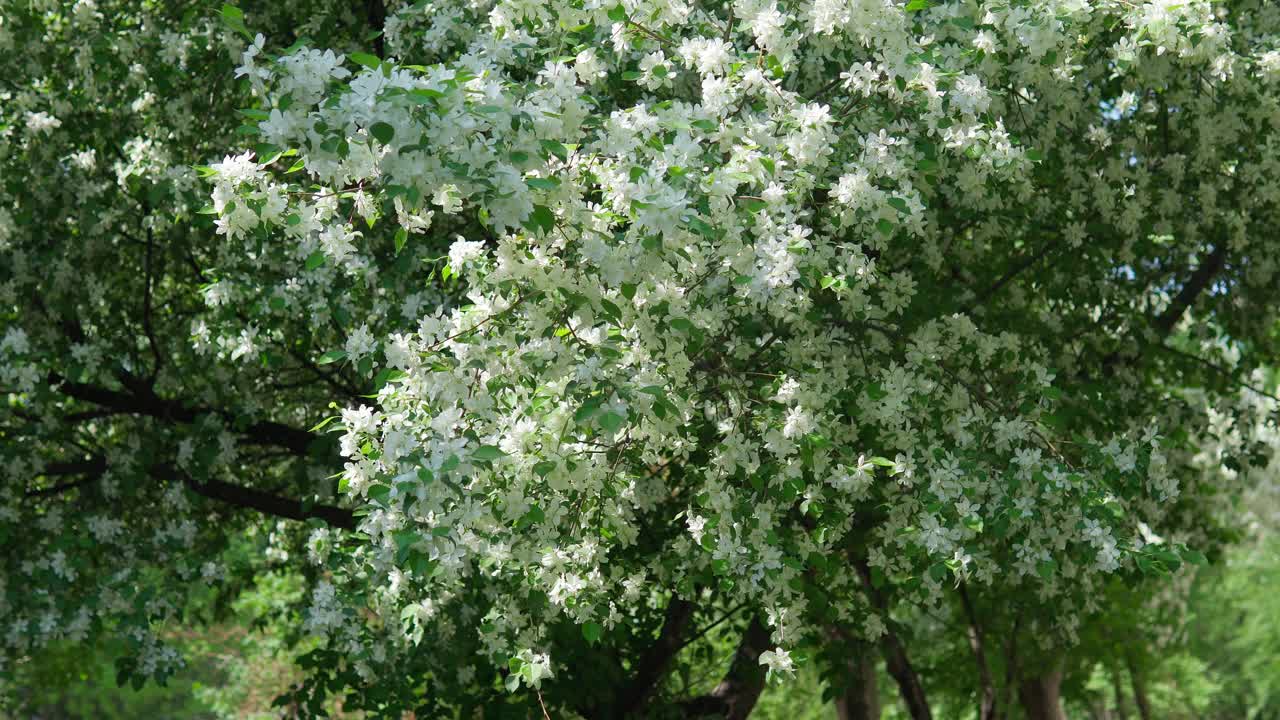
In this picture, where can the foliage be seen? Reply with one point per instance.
(559, 333)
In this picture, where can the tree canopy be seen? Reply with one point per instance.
(543, 338)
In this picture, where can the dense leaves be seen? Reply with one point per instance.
(570, 330)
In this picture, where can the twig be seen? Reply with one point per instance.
(545, 715)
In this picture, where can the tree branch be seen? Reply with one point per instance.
(1200, 279)
(146, 312)
(90, 469)
(1009, 275)
(895, 656)
(987, 699)
(236, 495)
(376, 13)
(267, 503)
(653, 664)
(144, 402)
(736, 695)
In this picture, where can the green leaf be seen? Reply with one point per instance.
(917, 5)
(900, 205)
(589, 408)
(315, 260)
(365, 59)
(592, 631)
(533, 517)
(424, 96)
(542, 183)
(541, 219)
(402, 236)
(682, 324)
(382, 132)
(555, 148)
(882, 461)
(544, 468)
(324, 423)
(234, 19)
(939, 572)
(617, 13)
(611, 421)
(486, 453)
(380, 493)
(405, 539)
(421, 565)
(332, 356)
(1046, 569)
(1194, 557)
(775, 66)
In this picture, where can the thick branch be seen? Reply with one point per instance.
(987, 699)
(1010, 274)
(157, 358)
(90, 470)
(142, 402)
(1139, 688)
(269, 504)
(1011, 662)
(895, 656)
(654, 663)
(237, 495)
(736, 695)
(859, 698)
(376, 12)
(1200, 280)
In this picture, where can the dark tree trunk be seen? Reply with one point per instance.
(652, 666)
(1139, 689)
(895, 656)
(376, 13)
(1041, 696)
(861, 698)
(1122, 709)
(895, 659)
(986, 688)
(736, 695)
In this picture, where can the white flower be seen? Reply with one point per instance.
(463, 251)
(778, 661)
(42, 122)
(696, 524)
(359, 343)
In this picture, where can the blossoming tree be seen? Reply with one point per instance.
(806, 321)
